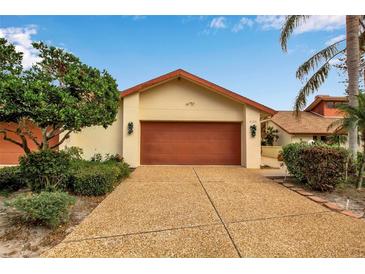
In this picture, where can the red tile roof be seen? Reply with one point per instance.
(202, 82)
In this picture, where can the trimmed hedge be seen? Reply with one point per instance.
(97, 178)
(46, 170)
(291, 157)
(11, 179)
(49, 208)
(324, 167)
(321, 167)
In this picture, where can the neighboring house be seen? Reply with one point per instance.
(311, 124)
(179, 118)
(9, 152)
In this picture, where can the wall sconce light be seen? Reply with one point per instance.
(130, 128)
(253, 130)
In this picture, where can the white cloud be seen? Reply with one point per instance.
(244, 21)
(313, 23)
(335, 61)
(218, 23)
(268, 22)
(335, 39)
(21, 38)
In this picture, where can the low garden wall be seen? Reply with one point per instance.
(270, 151)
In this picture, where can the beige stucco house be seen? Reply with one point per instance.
(179, 118)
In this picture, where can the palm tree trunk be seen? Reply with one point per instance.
(353, 65)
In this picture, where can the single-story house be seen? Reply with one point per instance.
(180, 119)
(311, 124)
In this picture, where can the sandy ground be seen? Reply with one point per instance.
(21, 240)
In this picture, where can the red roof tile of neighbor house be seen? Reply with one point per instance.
(199, 81)
(305, 123)
(326, 98)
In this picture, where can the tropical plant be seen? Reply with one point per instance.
(354, 116)
(270, 136)
(336, 139)
(355, 41)
(58, 95)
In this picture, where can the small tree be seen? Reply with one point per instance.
(59, 95)
(270, 136)
(354, 116)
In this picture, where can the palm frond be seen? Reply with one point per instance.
(291, 22)
(325, 54)
(312, 85)
(337, 125)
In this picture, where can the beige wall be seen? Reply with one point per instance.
(131, 143)
(99, 140)
(182, 100)
(251, 146)
(271, 151)
(286, 138)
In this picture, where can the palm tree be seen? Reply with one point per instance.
(322, 60)
(354, 117)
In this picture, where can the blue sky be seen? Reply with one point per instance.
(240, 53)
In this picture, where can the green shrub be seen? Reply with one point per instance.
(46, 170)
(49, 208)
(75, 153)
(291, 157)
(324, 167)
(96, 178)
(11, 179)
(97, 157)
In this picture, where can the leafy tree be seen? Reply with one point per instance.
(354, 116)
(355, 45)
(270, 136)
(59, 95)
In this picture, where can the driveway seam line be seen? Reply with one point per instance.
(219, 216)
(279, 217)
(139, 233)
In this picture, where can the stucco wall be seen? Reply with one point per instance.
(98, 139)
(131, 142)
(251, 145)
(286, 138)
(182, 100)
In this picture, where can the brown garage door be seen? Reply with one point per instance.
(195, 143)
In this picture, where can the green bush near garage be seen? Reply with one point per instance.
(46, 170)
(11, 179)
(291, 157)
(95, 178)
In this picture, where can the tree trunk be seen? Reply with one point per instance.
(362, 165)
(44, 139)
(353, 65)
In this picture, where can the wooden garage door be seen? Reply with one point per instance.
(195, 143)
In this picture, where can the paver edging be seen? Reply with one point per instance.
(330, 205)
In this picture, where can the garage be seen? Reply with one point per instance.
(190, 143)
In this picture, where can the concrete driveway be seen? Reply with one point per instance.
(210, 212)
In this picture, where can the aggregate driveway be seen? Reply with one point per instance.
(166, 211)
